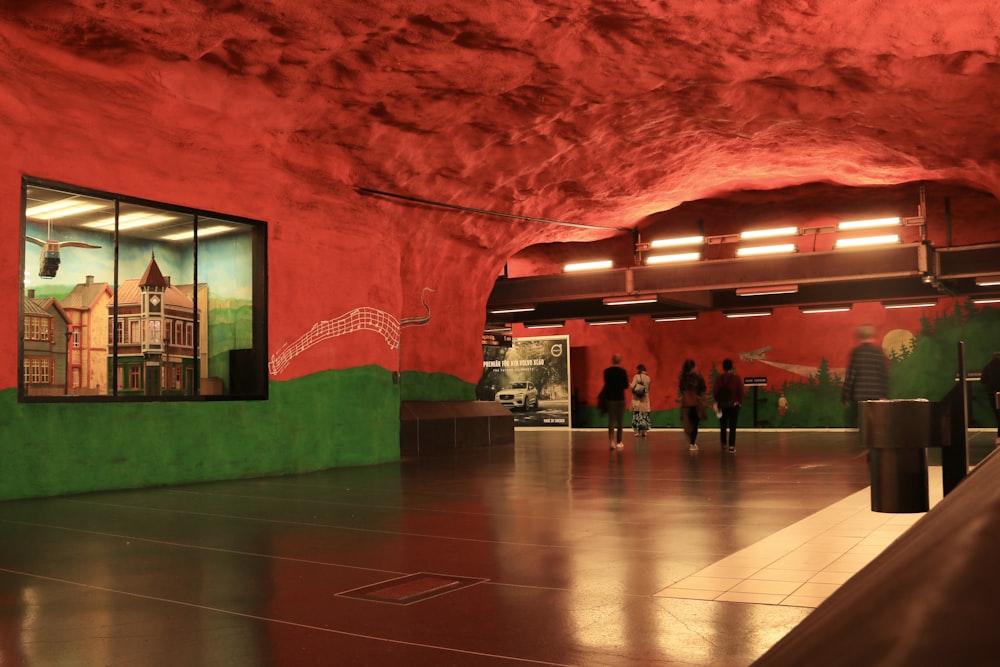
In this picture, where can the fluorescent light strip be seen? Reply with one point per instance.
(598, 323)
(60, 209)
(202, 231)
(629, 301)
(675, 318)
(499, 330)
(767, 291)
(824, 309)
(921, 304)
(679, 241)
(544, 325)
(988, 281)
(985, 301)
(765, 250)
(868, 224)
(589, 266)
(769, 233)
(513, 309)
(866, 240)
(750, 313)
(676, 257)
(130, 221)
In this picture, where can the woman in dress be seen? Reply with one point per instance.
(640, 401)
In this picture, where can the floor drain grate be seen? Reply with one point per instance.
(411, 588)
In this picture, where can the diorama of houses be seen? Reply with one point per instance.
(87, 306)
(155, 334)
(46, 333)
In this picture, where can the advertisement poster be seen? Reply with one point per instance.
(530, 378)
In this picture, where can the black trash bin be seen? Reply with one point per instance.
(897, 433)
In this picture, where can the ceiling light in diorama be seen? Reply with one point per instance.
(861, 241)
(202, 231)
(130, 221)
(589, 266)
(60, 209)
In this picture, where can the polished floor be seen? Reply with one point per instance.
(555, 551)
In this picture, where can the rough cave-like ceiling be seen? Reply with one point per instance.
(610, 114)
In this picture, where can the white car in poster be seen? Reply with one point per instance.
(516, 395)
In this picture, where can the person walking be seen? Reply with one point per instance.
(615, 384)
(728, 395)
(692, 389)
(867, 376)
(640, 401)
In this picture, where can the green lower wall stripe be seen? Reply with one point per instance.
(330, 419)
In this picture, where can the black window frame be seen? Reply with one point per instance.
(255, 389)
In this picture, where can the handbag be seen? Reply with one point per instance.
(691, 399)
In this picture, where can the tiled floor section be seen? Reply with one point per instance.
(804, 563)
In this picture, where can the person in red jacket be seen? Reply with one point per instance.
(728, 394)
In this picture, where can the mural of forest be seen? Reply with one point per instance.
(802, 358)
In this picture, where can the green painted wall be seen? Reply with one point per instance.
(416, 386)
(329, 419)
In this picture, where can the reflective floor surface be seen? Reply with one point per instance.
(555, 551)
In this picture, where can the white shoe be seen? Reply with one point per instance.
(694, 447)
(620, 446)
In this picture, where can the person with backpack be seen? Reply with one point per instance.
(640, 401)
(728, 394)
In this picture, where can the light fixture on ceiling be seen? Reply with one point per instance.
(680, 317)
(769, 233)
(825, 309)
(987, 281)
(985, 301)
(130, 221)
(860, 241)
(589, 266)
(673, 258)
(677, 241)
(596, 323)
(764, 291)
(630, 300)
(498, 330)
(747, 313)
(511, 309)
(868, 224)
(751, 251)
(202, 231)
(543, 325)
(908, 304)
(61, 209)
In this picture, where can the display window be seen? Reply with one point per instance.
(128, 299)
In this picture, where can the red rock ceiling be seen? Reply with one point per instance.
(603, 113)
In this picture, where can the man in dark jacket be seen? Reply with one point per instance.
(615, 383)
(867, 377)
